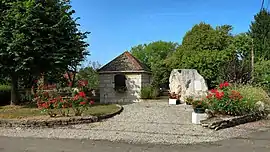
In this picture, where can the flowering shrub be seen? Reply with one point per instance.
(79, 103)
(51, 101)
(47, 103)
(227, 101)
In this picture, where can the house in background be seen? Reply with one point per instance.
(121, 79)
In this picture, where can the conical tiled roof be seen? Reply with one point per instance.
(124, 63)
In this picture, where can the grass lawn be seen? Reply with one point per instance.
(21, 112)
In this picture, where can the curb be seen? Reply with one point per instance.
(235, 121)
(57, 122)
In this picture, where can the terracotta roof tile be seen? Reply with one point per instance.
(125, 62)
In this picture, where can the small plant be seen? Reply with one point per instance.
(199, 104)
(79, 103)
(149, 92)
(173, 96)
(189, 100)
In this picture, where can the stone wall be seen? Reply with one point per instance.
(134, 82)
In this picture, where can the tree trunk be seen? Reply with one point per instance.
(14, 90)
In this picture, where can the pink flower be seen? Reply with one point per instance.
(91, 102)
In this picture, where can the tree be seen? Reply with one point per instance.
(238, 69)
(38, 36)
(90, 74)
(154, 55)
(206, 49)
(260, 32)
(204, 37)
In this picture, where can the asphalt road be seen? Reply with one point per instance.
(256, 142)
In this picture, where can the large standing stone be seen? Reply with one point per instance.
(186, 83)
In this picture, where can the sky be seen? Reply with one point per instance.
(118, 25)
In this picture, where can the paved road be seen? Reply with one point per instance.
(256, 142)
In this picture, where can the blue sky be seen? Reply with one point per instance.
(117, 25)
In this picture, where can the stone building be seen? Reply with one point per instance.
(121, 79)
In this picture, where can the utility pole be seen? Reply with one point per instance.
(252, 60)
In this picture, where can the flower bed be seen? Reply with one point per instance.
(43, 121)
(225, 100)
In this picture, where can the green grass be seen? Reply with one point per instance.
(253, 93)
(21, 112)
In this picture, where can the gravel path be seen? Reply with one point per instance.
(145, 122)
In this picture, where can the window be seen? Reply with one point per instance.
(120, 83)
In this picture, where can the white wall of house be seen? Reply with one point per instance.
(134, 82)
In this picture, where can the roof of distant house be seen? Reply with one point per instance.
(124, 63)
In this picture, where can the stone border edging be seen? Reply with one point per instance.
(222, 124)
(57, 122)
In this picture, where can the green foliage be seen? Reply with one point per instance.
(215, 53)
(238, 69)
(37, 37)
(154, 55)
(262, 74)
(252, 93)
(204, 37)
(259, 31)
(90, 74)
(209, 63)
(149, 92)
(5, 88)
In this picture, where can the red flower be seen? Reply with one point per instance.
(82, 103)
(70, 84)
(82, 94)
(225, 84)
(221, 85)
(213, 90)
(91, 102)
(219, 95)
(45, 105)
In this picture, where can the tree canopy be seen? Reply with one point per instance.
(154, 55)
(37, 37)
(260, 33)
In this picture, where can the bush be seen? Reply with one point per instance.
(5, 88)
(253, 93)
(229, 101)
(262, 74)
(5, 94)
(149, 92)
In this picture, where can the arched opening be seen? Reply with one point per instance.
(120, 83)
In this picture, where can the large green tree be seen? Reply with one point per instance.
(154, 55)
(206, 49)
(203, 36)
(38, 36)
(260, 33)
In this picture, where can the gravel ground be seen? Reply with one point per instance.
(144, 122)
